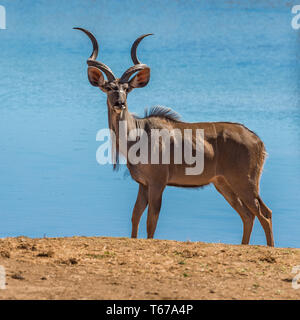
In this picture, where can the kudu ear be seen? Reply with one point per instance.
(141, 79)
(95, 76)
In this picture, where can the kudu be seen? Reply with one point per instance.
(233, 154)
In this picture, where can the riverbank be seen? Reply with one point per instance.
(122, 268)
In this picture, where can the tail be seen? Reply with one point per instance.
(261, 157)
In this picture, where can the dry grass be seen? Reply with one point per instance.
(122, 268)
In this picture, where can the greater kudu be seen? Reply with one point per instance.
(233, 154)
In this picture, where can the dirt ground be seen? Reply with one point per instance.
(122, 268)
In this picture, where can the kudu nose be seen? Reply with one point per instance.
(120, 104)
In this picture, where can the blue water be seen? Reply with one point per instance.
(210, 61)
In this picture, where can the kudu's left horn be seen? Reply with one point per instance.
(92, 60)
(137, 63)
(134, 48)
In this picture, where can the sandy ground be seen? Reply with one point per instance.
(122, 268)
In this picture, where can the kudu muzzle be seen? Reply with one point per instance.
(117, 100)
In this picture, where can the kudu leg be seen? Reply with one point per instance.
(246, 215)
(248, 193)
(265, 219)
(139, 207)
(154, 200)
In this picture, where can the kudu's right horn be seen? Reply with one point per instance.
(92, 60)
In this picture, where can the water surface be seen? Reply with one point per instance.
(210, 61)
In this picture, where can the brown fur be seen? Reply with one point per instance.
(233, 154)
(234, 158)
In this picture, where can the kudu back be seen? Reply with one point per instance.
(233, 154)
